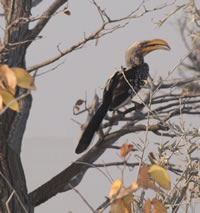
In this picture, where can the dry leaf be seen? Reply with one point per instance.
(67, 12)
(77, 108)
(122, 205)
(160, 176)
(158, 206)
(184, 92)
(79, 102)
(143, 177)
(152, 186)
(128, 199)
(144, 181)
(115, 188)
(119, 206)
(125, 149)
(24, 79)
(1, 102)
(8, 98)
(147, 206)
(191, 188)
(8, 76)
(1, 83)
(77, 105)
(134, 186)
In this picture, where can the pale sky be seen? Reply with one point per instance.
(51, 135)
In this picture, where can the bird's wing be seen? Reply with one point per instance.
(96, 120)
(129, 84)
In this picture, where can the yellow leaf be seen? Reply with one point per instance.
(1, 102)
(8, 76)
(24, 79)
(160, 176)
(122, 204)
(1, 83)
(12, 91)
(144, 179)
(134, 186)
(115, 188)
(8, 99)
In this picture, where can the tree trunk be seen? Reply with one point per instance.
(12, 124)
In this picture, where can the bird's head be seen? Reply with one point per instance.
(136, 52)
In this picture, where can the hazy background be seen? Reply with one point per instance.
(51, 135)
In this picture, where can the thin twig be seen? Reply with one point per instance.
(82, 197)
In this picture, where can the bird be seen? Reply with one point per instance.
(122, 86)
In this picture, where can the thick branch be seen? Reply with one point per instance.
(45, 17)
(73, 175)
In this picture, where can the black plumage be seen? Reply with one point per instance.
(116, 92)
(122, 86)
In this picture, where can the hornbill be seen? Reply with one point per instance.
(122, 86)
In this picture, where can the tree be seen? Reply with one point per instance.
(154, 113)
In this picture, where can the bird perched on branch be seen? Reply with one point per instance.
(122, 86)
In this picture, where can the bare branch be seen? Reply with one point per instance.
(124, 163)
(100, 32)
(161, 22)
(72, 48)
(82, 197)
(45, 17)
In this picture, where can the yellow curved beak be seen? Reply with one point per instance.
(155, 44)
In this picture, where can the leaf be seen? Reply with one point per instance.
(143, 177)
(119, 206)
(160, 176)
(147, 206)
(122, 205)
(24, 79)
(67, 12)
(77, 108)
(158, 206)
(152, 186)
(144, 181)
(1, 102)
(134, 186)
(115, 188)
(8, 76)
(8, 98)
(125, 149)
(1, 83)
(184, 92)
(79, 102)
(77, 105)
(128, 199)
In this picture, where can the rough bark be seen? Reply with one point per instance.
(12, 124)
(17, 38)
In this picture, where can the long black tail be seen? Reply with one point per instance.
(96, 120)
(91, 128)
